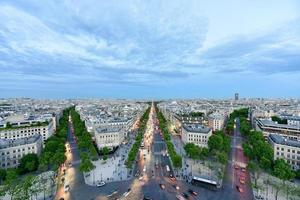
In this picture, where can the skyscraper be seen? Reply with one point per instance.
(236, 96)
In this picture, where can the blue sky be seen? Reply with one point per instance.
(149, 49)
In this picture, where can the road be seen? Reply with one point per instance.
(146, 184)
(234, 173)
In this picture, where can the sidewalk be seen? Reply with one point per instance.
(112, 169)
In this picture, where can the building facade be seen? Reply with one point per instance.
(110, 137)
(45, 129)
(12, 151)
(287, 149)
(216, 121)
(270, 127)
(196, 133)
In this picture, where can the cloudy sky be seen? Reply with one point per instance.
(149, 49)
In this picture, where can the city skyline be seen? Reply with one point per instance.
(139, 49)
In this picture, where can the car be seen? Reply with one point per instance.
(180, 197)
(113, 192)
(240, 189)
(127, 192)
(147, 198)
(100, 184)
(242, 179)
(172, 178)
(185, 195)
(162, 186)
(66, 188)
(192, 192)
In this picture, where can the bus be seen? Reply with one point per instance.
(205, 182)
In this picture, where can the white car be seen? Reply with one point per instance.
(66, 188)
(100, 184)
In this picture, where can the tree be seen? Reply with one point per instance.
(253, 167)
(265, 163)
(215, 142)
(11, 182)
(282, 170)
(2, 175)
(25, 187)
(177, 161)
(28, 163)
(222, 157)
(86, 165)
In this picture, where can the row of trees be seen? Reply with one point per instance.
(261, 154)
(53, 154)
(241, 113)
(176, 159)
(85, 142)
(138, 139)
(219, 146)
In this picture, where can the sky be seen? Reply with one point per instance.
(149, 49)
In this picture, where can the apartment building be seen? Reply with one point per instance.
(216, 121)
(110, 137)
(45, 129)
(292, 120)
(12, 150)
(196, 133)
(270, 127)
(287, 149)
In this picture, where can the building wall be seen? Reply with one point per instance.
(11, 156)
(200, 139)
(109, 140)
(24, 132)
(288, 153)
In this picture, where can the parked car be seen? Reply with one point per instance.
(100, 184)
(192, 192)
(162, 186)
(240, 189)
(66, 188)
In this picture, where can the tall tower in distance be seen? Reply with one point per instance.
(236, 96)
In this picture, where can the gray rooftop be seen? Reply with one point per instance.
(278, 139)
(196, 128)
(270, 123)
(5, 143)
(108, 130)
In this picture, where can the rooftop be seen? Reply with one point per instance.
(269, 123)
(108, 130)
(196, 128)
(5, 143)
(278, 139)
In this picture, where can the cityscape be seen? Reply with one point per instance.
(149, 100)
